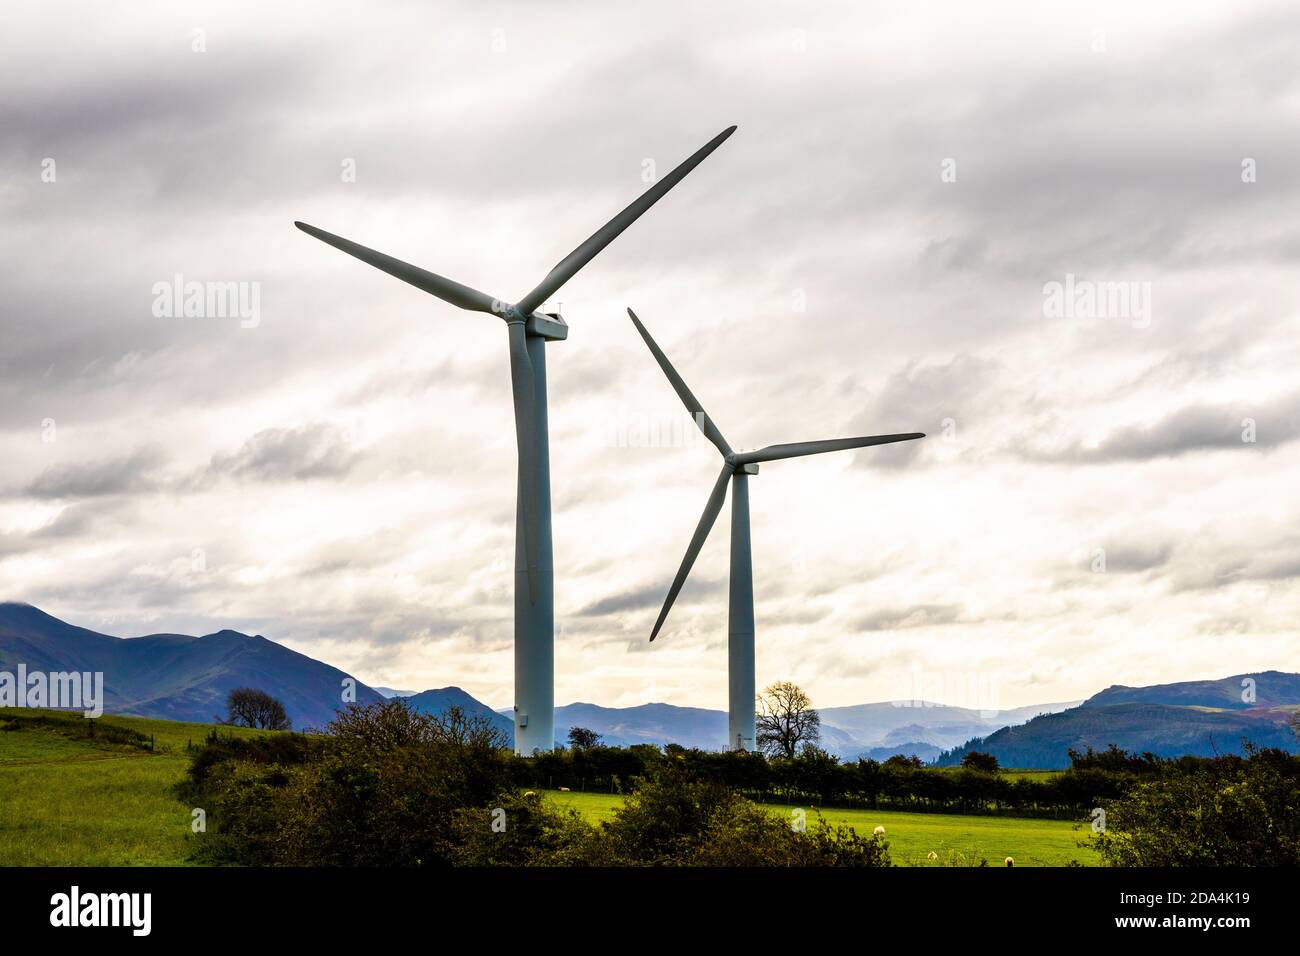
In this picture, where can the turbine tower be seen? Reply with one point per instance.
(529, 331)
(736, 469)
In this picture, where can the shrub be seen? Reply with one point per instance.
(1230, 812)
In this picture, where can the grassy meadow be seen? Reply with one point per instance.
(68, 800)
(71, 800)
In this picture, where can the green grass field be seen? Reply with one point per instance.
(957, 840)
(68, 800)
(71, 801)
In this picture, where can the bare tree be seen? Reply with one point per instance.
(786, 720)
(249, 707)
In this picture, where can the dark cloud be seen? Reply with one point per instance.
(897, 619)
(289, 454)
(652, 597)
(135, 472)
(934, 398)
(1191, 429)
(1138, 556)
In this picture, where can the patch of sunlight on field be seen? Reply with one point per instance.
(957, 840)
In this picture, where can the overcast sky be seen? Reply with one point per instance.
(872, 251)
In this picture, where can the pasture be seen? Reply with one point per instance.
(956, 839)
(69, 800)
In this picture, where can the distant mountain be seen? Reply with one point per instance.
(1201, 718)
(927, 752)
(891, 723)
(438, 701)
(389, 693)
(1243, 692)
(903, 727)
(180, 677)
(175, 676)
(646, 724)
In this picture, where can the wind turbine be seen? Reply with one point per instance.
(736, 469)
(529, 331)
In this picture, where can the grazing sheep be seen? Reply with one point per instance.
(564, 790)
(932, 855)
(530, 793)
(1010, 861)
(878, 831)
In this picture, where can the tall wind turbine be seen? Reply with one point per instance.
(736, 469)
(529, 331)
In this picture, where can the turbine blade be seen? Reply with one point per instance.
(688, 398)
(801, 449)
(522, 383)
(579, 257)
(716, 498)
(446, 289)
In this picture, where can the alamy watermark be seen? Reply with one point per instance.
(208, 300)
(972, 690)
(133, 911)
(632, 429)
(61, 690)
(1085, 299)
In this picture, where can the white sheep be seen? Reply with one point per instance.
(932, 855)
(879, 831)
(1010, 861)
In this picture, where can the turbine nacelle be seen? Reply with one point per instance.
(547, 325)
(544, 325)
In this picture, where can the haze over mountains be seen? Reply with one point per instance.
(180, 677)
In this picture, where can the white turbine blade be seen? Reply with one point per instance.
(446, 289)
(579, 257)
(711, 509)
(801, 449)
(702, 419)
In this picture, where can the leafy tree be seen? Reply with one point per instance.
(985, 763)
(249, 707)
(904, 760)
(786, 721)
(580, 738)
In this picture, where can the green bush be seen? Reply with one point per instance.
(1234, 812)
(674, 820)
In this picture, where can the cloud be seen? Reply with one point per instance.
(135, 472)
(897, 619)
(1244, 427)
(318, 450)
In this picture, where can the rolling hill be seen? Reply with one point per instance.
(438, 701)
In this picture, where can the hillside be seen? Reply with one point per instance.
(1167, 730)
(1271, 689)
(175, 676)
